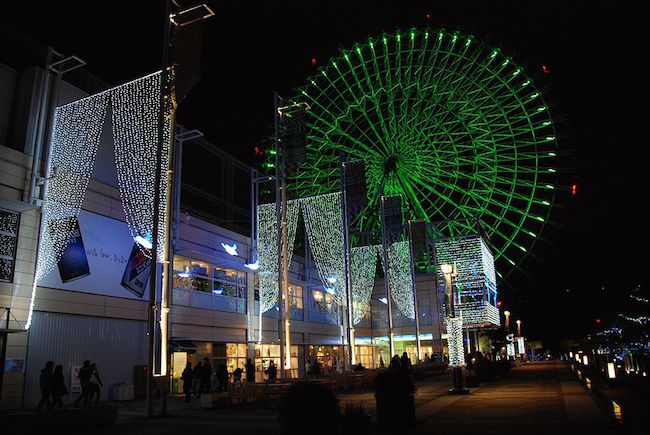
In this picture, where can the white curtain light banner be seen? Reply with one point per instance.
(136, 110)
(267, 249)
(75, 137)
(455, 341)
(400, 277)
(324, 226)
(363, 264)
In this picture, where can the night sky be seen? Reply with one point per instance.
(598, 63)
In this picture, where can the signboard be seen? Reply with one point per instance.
(75, 383)
(101, 258)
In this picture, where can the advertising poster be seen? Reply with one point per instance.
(75, 383)
(101, 258)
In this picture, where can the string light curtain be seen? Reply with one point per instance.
(455, 341)
(267, 249)
(363, 265)
(324, 225)
(136, 110)
(400, 278)
(75, 137)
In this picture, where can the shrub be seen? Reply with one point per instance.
(309, 408)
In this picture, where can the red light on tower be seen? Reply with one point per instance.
(498, 303)
(597, 320)
(428, 17)
(257, 151)
(545, 69)
(574, 189)
(313, 61)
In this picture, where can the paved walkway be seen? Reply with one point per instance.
(535, 398)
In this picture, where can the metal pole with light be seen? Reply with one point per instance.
(352, 358)
(415, 292)
(389, 304)
(181, 17)
(518, 328)
(507, 315)
(454, 333)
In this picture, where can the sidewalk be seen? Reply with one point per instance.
(534, 398)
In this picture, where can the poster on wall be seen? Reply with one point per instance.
(101, 258)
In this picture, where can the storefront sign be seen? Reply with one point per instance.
(75, 383)
(14, 365)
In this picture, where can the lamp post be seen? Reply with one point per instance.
(518, 328)
(454, 333)
(507, 314)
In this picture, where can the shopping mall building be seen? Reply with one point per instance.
(91, 307)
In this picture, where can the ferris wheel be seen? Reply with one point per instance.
(453, 125)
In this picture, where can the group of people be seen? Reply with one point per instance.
(52, 385)
(197, 380)
(401, 363)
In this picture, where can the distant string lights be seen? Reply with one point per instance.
(363, 264)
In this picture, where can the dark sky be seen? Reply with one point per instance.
(596, 53)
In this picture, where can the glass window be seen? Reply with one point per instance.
(295, 297)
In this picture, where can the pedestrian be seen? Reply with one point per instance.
(45, 384)
(359, 367)
(196, 379)
(381, 362)
(188, 377)
(94, 383)
(272, 371)
(58, 387)
(250, 370)
(406, 362)
(315, 369)
(395, 363)
(84, 380)
(222, 376)
(236, 375)
(206, 376)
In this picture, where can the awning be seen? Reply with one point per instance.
(183, 345)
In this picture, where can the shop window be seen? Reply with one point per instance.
(8, 241)
(264, 353)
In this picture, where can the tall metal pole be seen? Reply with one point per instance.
(415, 292)
(389, 303)
(278, 220)
(352, 360)
(156, 213)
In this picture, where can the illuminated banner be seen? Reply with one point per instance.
(101, 258)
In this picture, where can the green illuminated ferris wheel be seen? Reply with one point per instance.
(450, 123)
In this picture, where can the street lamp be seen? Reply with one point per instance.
(507, 314)
(518, 328)
(454, 333)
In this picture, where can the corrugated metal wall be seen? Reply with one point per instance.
(115, 345)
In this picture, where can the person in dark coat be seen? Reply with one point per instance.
(315, 368)
(406, 362)
(272, 371)
(188, 377)
(58, 387)
(206, 376)
(84, 380)
(236, 375)
(250, 370)
(45, 384)
(222, 376)
(94, 384)
(395, 363)
(198, 375)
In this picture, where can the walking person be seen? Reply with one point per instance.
(58, 387)
(94, 383)
(206, 376)
(84, 380)
(272, 371)
(196, 379)
(222, 376)
(250, 370)
(45, 384)
(406, 362)
(188, 378)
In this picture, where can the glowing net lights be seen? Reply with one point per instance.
(400, 278)
(136, 111)
(363, 264)
(476, 280)
(267, 249)
(455, 341)
(324, 225)
(75, 137)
